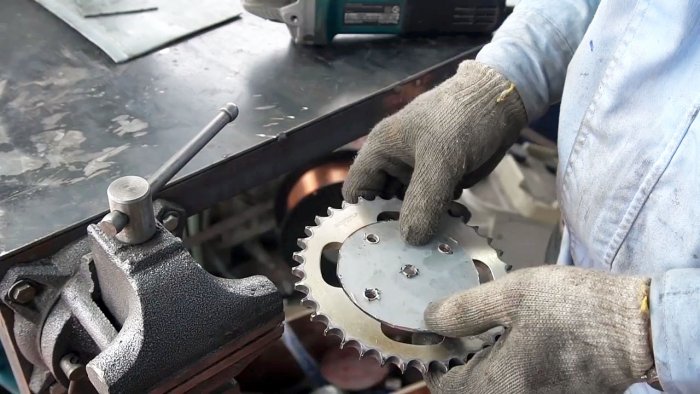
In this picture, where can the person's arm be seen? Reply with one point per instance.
(453, 135)
(534, 46)
(675, 320)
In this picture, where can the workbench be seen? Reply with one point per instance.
(71, 120)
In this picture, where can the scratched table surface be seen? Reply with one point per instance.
(71, 120)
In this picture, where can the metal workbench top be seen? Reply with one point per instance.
(71, 120)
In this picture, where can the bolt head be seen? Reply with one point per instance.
(445, 248)
(409, 270)
(372, 294)
(22, 292)
(171, 221)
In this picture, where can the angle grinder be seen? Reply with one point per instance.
(316, 22)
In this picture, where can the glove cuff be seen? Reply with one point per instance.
(480, 86)
(638, 332)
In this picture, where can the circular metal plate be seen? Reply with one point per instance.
(394, 282)
(358, 329)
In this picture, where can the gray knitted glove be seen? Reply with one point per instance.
(447, 137)
(568, 330)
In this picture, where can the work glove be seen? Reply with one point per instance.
(567, 330)
(443, 141)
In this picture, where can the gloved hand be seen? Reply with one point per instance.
(568, 330)
(447, 137)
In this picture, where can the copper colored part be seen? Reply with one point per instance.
(315, 179)
(345, 370)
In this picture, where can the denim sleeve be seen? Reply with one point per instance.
(534, 46)
(675, 329)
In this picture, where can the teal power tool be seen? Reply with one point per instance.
(316, 22)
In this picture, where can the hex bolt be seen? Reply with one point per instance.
(171, 221)
(409, 271)
(372, 294)
(372, 238)
(22, 292)
(444, 248)
(72, 367)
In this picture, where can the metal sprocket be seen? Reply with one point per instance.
(356, 328)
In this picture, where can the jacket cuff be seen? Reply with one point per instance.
(675, 318)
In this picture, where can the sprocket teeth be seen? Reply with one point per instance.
(335, 331)
(353, 344)
(489, 241)
(301, 286)
(374, 354)
(298, 257)
(299, 271)
(344, 204)
(420, 365)
(301, 243)
(330, 211)
(319, 318)
(397, 362)
(308, 303)
(438, 366)
(318, 220)
(309, 230)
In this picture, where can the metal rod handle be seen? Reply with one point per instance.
(171, 167)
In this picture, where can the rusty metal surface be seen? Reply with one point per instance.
(72, 121)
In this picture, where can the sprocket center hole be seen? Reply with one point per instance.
(412, 338)
(329, 264)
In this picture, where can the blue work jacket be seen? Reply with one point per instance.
(627, 73)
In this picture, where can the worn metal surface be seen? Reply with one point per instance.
(347, 309)
(124, 309)
(409, 277)
(169, 308)
(124, 33)
(72, 121)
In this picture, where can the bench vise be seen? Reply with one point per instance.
(127, 309)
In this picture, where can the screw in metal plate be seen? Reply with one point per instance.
(409, 270)
(445, 248)
(372, 294)
(22, 292)
(372, 238)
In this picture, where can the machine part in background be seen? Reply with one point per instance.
(316, 22)
(277, 371)
(171, 215)
(343, 370)
(517, 206)
(374, 297)
(308, 193)
(126, 309)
